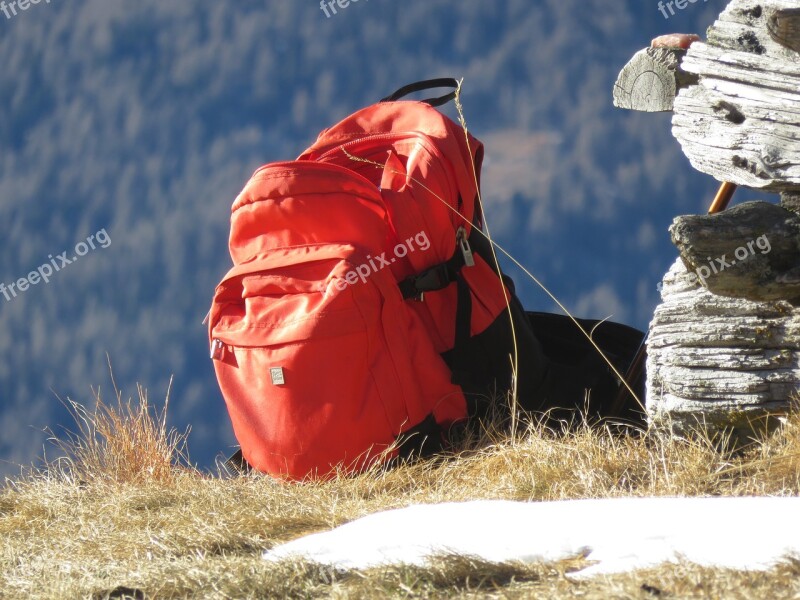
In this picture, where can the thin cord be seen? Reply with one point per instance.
(514, 359)
(516, 262)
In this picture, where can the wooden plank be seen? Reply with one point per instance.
(784, 28)
(741, 122)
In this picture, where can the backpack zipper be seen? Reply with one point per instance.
(463, 244)
(368, 138)
(217, 349)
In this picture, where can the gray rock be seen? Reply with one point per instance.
(727, 363)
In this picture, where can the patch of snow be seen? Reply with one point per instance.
(617, 534)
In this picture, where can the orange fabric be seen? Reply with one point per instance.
(356, 365)
(427, 173)
(358, 368)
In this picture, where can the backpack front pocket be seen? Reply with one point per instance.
(303, 362)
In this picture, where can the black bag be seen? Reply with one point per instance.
(557, 363)
(574, 365)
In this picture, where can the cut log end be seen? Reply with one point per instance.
(651, 79)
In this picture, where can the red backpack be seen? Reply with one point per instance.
(363, 317)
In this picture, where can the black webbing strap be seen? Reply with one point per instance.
(428, 84)
(460, 369)
(436, 278)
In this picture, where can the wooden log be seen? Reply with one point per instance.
(727, 364)
(751, 251)
(791, 201)
(724, 344)
(741, 122)
(784, 27)
(651, 79)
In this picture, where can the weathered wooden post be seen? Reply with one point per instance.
(724, 344)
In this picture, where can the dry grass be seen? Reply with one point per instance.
(126, 443)
(120, 517)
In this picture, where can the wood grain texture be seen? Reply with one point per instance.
(741, 122)
(784, 27)
(724, 344)
(651, 79)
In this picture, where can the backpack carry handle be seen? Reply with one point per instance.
(428, 84)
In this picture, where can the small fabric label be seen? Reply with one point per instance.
(276, 373)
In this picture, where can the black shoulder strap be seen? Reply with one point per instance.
(428, 84)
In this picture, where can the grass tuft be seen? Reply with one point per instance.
(127, 442)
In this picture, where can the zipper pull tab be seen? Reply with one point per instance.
(217, 348)
(466, 251)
